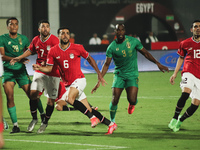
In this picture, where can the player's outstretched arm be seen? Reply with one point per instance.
(94, 65)
(45, 69)
(146, 54)
(22, 58)
(178, 66)
(103, 72)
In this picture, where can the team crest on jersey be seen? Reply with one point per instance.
(9, 42)
(190, 48)
(71, 56)
(20, 41)
(128, 45)
(117, 48)
(48, 47)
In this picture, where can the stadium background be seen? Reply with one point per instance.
(169, 20)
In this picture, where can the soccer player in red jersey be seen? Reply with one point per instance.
(189, 53)
(41, 45)
(67, 55)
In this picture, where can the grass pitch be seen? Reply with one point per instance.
(145, 129)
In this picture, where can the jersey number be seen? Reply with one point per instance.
(66, 64)
(124, 53)
(42, 52)
(197, 53)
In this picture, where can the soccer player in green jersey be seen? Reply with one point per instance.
(12, 45)
(123, 50)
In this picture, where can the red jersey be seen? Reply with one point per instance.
(42, 49)
(190, 49)
(68, 61)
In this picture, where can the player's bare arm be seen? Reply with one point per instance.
(178, 66)
(45, 69)
(147, 55)
(4, 57)
(22, 58)
(103, 72)
(94, 65)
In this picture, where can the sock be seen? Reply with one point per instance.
(134, 103)
(49, 111)
(113, 110)
(180, 104)
(101, 117)
(81, 107)
(189, 112)
(40, 107)
(13, 114)
(33, 108)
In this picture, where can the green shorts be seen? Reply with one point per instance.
(21, 77)
(124, 82)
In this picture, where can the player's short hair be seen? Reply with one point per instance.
(11, 18)
(61, 28)
(43, 21)
(117, 25)
(194, 22)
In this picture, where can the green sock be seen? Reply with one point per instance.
(13, 114)
(136, 102)
(40, 107)
(113, 110)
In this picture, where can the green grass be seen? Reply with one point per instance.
(145, 129)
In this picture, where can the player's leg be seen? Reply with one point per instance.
(51, 86)
(9, 91)
(49, 111)
(186, 85)
(117, 88)
(188, 113)
(116, 93)
(132, 98)
(131, 86)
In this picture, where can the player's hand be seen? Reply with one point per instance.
(102, 80)
(162, 68)
(25, 60)
(36, 67)
(14, 60)
(172, 78)
(96, 87)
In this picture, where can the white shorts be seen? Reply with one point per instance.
(47, 83)
(80, 85)
(191, 82)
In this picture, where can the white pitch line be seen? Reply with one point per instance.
(65, 143)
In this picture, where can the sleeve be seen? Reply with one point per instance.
(139, 45)
(1, 42)
(27, 43)
(50, 58)
(181, 50)
(83, 52)
(32, 47)
(109, 51)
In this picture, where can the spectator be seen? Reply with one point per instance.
(105, 40)
(72, 38)
(95, 40)
(137, 37)
(151, 38)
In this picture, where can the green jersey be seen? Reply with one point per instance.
(13, 48)
(125, 56)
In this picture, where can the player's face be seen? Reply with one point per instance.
(44, 29)
(64, 36)
(13, 27)
(120, 32)
(196, 29)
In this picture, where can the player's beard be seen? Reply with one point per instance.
(64, 43)
(13, 33)
(120, 40)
